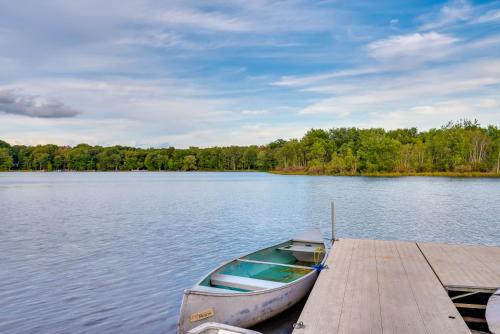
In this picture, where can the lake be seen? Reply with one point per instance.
(112, 252)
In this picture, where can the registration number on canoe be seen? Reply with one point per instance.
(202, 315)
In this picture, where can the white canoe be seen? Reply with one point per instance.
(257, 286)
(216, 328)
(493, 312)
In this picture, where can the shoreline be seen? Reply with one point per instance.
(278, 172)
(394, 174)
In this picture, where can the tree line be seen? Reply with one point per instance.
(460, 147)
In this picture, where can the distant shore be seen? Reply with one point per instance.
(281, 172)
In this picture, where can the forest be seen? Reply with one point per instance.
(459, 147)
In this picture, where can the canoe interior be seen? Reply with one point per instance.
(274, 264)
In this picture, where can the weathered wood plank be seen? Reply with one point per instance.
(399, 308)
(490, 258)
(361, 309)
(472, 306)
(464, 265)
(473, 266)
(436, 309)
(443, 265)
(323, 309)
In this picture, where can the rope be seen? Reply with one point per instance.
(318, 251)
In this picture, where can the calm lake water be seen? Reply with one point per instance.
(112, 252)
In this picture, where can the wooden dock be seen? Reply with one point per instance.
(374, 286)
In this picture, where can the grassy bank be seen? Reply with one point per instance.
(434, 174)
(440, 174)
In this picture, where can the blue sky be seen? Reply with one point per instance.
(202, 73)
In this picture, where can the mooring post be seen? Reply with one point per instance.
(333, 221)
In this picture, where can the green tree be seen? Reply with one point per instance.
(189, 163)
(350, 160)
(6, 161)
(266, 160)
(249, 158)
(494, 149)
(4, 144)
(41, 160)
(134, 159)
(60, 154)
(318, 153)
(81, 157)
(290, 154)
(377, 152)
(156, 161)
(479, 144)
(346, 136)
(110, 158)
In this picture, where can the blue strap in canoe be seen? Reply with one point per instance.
(318, 267)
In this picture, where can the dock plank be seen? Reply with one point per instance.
(400, 313)
(435, 307)
(379, 287)
(445, 267)
(464, 265)
(329, 290)
(489, 256)
(361, 309)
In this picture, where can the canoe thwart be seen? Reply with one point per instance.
(245, 283)
(275, 264)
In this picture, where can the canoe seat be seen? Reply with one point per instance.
(305, 252)
(211, 289)
(300, 248)
(245, 283)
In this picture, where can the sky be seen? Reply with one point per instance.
(151, 73)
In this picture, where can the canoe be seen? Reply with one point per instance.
(216, 328)
(492, 314)
(257, 286)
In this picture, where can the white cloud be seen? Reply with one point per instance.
(488, 103)
(451, 13)
(481, 44)
(254, 112)
(449, 109)
(255, 17)
(423, 98)
(152, 38)
(417, 46)
(432, 115)
(332, 106)
(202, 20)
(298, 81)
(265, 133)
(332, 88)
(459, 12)
(490, 16)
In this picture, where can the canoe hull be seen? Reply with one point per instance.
(241, 309)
